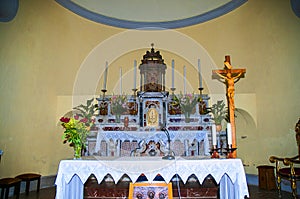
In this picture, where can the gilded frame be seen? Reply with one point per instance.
(142, 190)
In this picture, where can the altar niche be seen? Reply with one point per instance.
(153, 110)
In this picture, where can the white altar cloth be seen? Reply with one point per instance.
(72, 174)
(152, 135)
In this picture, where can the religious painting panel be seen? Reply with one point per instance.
(150, 191)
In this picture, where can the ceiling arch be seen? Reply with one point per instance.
(8, 10)
(150, 14)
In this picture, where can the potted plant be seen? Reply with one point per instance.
(219, 113)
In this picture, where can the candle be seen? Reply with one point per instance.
(134, 75)
(105, 76)
(229, 134)
(173, 67)
(120, 81)
(184, 79)
(199, 73)
(214, 134)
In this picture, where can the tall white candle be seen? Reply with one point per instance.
(105, 76)
(120, 81)
(214, 134)
(173, 68)
(199, 73)
(229, 134)
(134, 75)
(184, 79)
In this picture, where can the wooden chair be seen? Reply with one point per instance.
(288, 168)
(28, 177)
(6, 184)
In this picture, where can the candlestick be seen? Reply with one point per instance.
(201, 90)
(134, 75)
(214, 134)
(199, 73)
(229, 134)
(173, 89)
(184, 79)
(173, 67)
(120, 81)
(134, 92)
(103, 96)
(229, 152)
(105, 76)
(214, 152)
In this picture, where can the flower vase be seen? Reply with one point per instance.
(77, 152)
(187, 117)
(118, 118)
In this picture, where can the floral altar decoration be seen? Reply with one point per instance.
(77, 128)
(219, 113)
(118, 106)
(187, 103)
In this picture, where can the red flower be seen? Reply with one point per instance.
(84, 120)
(64, 119)
(76, 117)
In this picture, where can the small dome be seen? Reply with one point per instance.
(152, 57)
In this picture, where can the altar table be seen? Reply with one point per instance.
(228, 173)
(185, 137)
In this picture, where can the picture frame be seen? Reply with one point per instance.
(146, 190)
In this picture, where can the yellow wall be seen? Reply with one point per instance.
(45, 46)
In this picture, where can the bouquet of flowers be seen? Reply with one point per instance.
(118, 104)
(78, 127)
(76, 131)
(187, 104)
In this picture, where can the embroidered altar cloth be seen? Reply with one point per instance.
(228, 172)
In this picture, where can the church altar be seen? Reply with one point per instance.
(228, 173)
(153, 121)
(141, 116)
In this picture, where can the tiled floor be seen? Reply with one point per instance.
(255, 193)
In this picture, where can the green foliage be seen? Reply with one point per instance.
(75, 131)
(219, 112)
(77, 128)
(118, 104)
(187, 102)
(88, 110)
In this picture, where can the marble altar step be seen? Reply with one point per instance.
(109, 190)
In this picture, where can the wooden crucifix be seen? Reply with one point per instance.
(230, 76)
